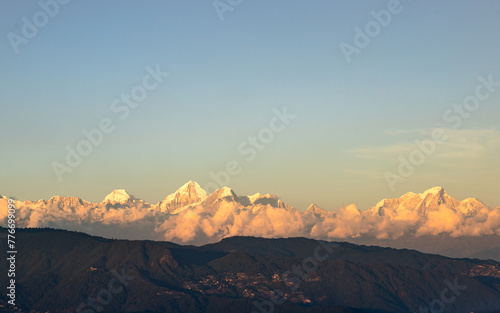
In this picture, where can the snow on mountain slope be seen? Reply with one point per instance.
(188, 194)
(271, 200)
(316, 210)
(189, 215)
(222, 196)
(429, 201)
(118, 196)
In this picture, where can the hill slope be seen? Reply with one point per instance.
(58, 271)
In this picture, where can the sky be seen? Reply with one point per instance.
(410, 69)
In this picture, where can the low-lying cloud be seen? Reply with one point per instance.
(199, 224)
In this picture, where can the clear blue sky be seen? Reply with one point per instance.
(352, 121)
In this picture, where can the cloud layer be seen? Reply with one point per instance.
(224, 214)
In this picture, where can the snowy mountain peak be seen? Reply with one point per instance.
(193, 187)
(313, 208)
(222, 195)
(118, 196)
(261, 198)
(471, 206)
(226, 192)
(254, 197)
(188, 194)
(437, 191)
(431, 200)
(190, 189)
(472, 200)
(59, 201)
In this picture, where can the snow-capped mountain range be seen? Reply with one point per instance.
(190, 215)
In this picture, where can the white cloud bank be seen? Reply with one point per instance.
(223, 214)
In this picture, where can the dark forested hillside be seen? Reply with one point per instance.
(62, 271)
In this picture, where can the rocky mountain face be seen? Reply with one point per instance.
(61, 271)
(191, 216)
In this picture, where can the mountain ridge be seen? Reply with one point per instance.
(238, 274)
(190, 216)
(201, 194)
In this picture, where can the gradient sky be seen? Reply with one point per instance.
(353, 120)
